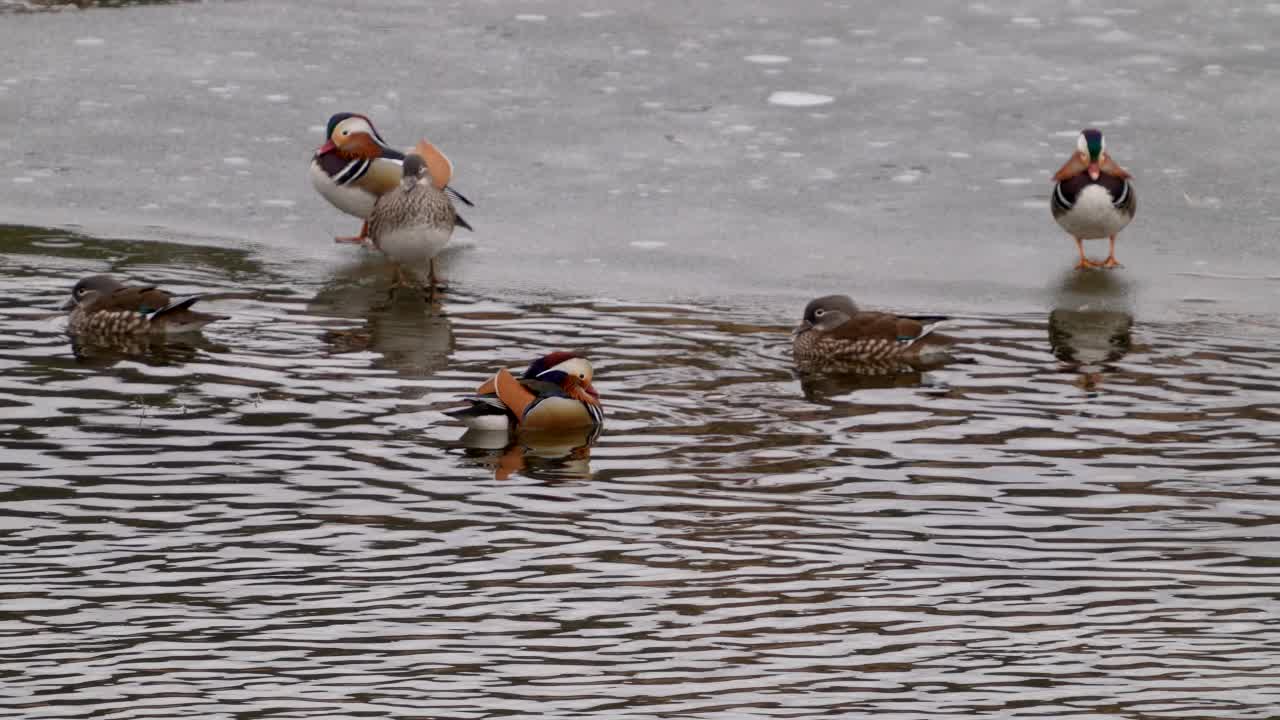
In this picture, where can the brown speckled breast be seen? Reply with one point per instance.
(812, 345)
(115, 322)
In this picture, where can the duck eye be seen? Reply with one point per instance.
(582, 376)
(819, 312)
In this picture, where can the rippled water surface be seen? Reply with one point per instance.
(277, 521)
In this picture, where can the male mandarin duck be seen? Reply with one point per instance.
(101, 304)
(836, 334)
(555, 393)
(413, 222)
(1092, 197)
(355, 166)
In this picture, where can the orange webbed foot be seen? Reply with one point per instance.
(1110, 262)
(351, 239)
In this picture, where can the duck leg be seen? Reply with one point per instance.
(1111, 261)
(355, 239)
(1084, 261)
(434, 286)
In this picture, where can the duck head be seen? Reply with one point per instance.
(567, 370)
(826, 314)
(1090, 157)
(352, 135)
(91, 288)
(415, 168)
(1091, 148)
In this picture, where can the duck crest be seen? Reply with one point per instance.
(546, 362)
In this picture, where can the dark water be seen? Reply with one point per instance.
(277, 521)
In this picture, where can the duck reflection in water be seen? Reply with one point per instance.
(413, 335)
(540, 454)
(823, 386)
(1091, 324)
(157, 351)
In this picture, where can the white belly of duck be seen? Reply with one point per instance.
(413, 245)
(1093, 216)
(350, 199)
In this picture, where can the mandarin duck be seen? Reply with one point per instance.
(102, 305)
(555, 393)
(355, 166)
(1092, 197)
(413, 222)
(836, 335)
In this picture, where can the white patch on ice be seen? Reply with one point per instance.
(638, 52)
(1117, 36)
(89, 41)
(767, 59)
(648, 244)
(959, 155)
(824, 41)
(235, 161)
(913, 60)
(1026, 21)
(1093, 21)
(592, 14)
(1273, 8)
(531, 17)
(880, 143)
(738, 129)
(789, 98)
(910, 176)
(23, 179)
(1201, 201)
(1212, 69)
(1014, 181)
(608, 89)
(277, 98)
(278, 202)
(932, 19)
(244, 53)
(824, 174)
(315, 128)
(1067, 133)
(1034, 204)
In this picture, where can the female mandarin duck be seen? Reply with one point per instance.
(412, 223)
(1092, 197)
(101, 304)
(835, 335)
(555, 393)
(355, 166)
